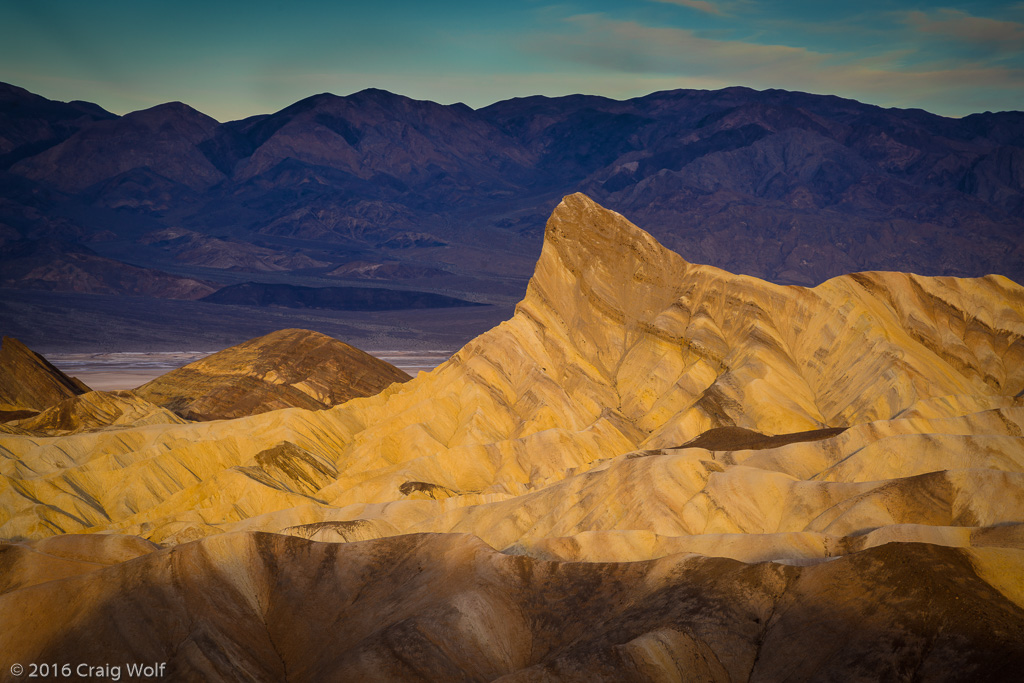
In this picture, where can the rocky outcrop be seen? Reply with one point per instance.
(97, 410)
(287, 368)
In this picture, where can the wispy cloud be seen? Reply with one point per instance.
(699, 5)
(601, 43)
(951, 23)
(633, 47)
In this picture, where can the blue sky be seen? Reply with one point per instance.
(235, 59)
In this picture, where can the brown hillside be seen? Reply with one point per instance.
(283, 369)
(29, 383)
(263, 607)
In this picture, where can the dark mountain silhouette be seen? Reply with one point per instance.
(30, 124)
(57, 265)
(163, 140)
(788, 186)
(331, 298)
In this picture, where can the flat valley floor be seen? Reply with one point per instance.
(117, 370)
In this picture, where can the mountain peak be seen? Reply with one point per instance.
(313, 102)
(607, 252)
(578, 216)
(377, 94)
(286, 368)
(170, 111)
(599, 278)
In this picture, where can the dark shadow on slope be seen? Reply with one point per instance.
(740, 439)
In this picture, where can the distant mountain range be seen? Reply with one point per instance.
(787, 186)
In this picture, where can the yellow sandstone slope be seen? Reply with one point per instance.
(560, 433)
(95, 410)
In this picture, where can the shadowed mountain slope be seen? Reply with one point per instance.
(287, 368)
(62, 266)
(29, 124)
(260, 607)
(332, 298)
(163, 139)
(355, 136)
(193, 248)
(29, 383)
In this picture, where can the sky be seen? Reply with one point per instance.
(236, 59)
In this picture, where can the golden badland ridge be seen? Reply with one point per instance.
(603, 423)
(558, 431)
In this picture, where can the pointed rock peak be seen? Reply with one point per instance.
(614, 264)
(586, 232)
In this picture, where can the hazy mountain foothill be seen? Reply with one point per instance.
(786, 186)
(651, 470)
(335, 298)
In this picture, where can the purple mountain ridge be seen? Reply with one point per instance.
(791, 187)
